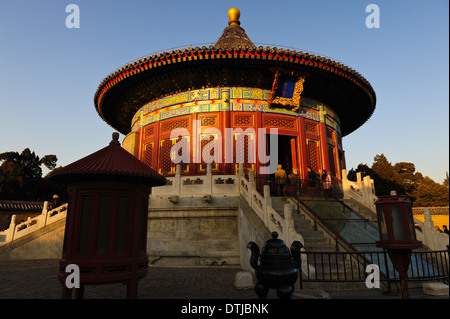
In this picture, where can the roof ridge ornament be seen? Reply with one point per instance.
(234, 14)
(115, 139)
(233, 36)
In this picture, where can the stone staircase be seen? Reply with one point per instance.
(361, 209)
(313, 239)
(316, 241)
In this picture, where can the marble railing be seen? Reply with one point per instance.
(363, 190)
(210, 185)
(16, 231)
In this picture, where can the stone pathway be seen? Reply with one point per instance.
(37, 279)
(28, 279)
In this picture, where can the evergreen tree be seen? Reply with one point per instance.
(406, 176)
(382, 173)
(21, 176)
(403, 178)
(431, 194)
(382, 167)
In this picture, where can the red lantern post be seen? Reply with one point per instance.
(397, 234)
(106, 225)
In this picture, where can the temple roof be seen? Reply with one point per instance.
(232, 61)
(110, 161)
(233, 36)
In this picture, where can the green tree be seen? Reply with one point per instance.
(382, 167)
(403, 178)
(21, 174)
(406, 176)
(431, 194)
(382, 172)
(363, 169)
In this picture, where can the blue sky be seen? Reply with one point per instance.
(49, 73)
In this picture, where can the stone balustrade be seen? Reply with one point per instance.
(429, 235)
(363, 190)
(189, 186)
(16, 231)
(207, 186)
(231, 185)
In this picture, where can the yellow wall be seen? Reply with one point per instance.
(438, 220)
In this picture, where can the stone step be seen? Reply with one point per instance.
(319, 247)
(435, 288)
(314, 240)
(278, 204)
(333, 274)
(330, 267)
(329, 270)
(361, 209)
(302, 223)
(180, 260)
(319, 244)
(313, 236)
(334, 286)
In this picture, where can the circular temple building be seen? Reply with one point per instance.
(228, 100)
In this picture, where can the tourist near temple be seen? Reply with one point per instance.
(311, 101)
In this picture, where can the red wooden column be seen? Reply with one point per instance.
(156, 150)
(226, 123)
(324, 146)
(258, 124)
(140, 152)
(303, 157)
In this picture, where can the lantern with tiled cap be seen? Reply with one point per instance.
(397, 233)
(106, 226)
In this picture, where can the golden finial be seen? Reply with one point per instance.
(233, 15)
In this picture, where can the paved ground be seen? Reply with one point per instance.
(37, 279)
